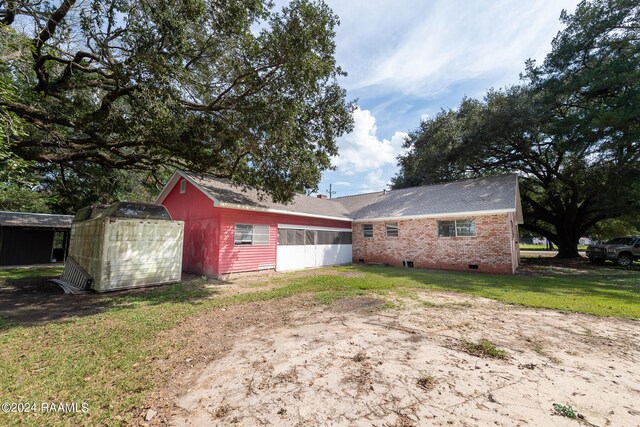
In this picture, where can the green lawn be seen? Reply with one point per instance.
(105, 359)
(29, 273)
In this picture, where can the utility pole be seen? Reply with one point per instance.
(331, 193)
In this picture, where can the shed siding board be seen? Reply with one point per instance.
(235, 259)
(87, 244)
(418, 241)
(127, 253)
(201, 228)
(140, 252)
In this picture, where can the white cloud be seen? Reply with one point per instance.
(362, 150)
(373, 181)
(343, 183)
(423, 48)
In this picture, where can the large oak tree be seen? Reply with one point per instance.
(571, 130)
(228, 87)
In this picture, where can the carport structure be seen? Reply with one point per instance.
(33, 238)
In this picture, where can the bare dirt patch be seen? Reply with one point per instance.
(362, 304)
(294, 362)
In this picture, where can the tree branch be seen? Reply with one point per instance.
(45, 34)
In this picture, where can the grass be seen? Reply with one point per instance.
(106, 359)
(427, 382)
(29, 273)
(565, 410)
(484, 348)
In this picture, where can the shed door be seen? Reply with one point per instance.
(300, 248)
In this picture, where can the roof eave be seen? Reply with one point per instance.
(279, 211)
(438, 215)
(519, 215)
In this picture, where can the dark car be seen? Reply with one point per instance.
(622, 250)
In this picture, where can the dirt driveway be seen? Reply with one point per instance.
(294, 362)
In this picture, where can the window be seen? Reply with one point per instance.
(446, 229)
(392, 229)
(246, 234)
(334, 237)
(465, 228)
(309, 237)
(183, 186)
(367, 230)
(457, 228)
(291, 237)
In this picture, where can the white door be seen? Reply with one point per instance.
(309, 256)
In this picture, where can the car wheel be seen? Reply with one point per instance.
(624, 260)
(597, 260)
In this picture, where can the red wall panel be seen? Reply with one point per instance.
(201, 228)
(209, 233)
(249, 258)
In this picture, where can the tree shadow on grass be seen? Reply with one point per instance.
(37, 301)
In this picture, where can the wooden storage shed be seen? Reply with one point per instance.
(123, 246)
(33, 238)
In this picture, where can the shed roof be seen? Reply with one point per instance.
(35, 220)
(471, 196)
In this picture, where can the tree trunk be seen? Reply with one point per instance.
(567, 244)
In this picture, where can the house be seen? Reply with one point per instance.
(470, 224)
(33, 238)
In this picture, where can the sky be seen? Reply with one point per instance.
(408, 59)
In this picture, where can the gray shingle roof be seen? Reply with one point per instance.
(471, 195)
(228, 193)
(34, 220)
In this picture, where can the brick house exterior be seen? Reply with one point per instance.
(464, 225)
(494, 249)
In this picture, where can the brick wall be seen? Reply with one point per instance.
(492, 249)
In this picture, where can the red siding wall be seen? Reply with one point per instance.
(201, 228)
(209, 233)
(235, 259)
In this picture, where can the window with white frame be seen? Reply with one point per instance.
(248, 234)
(183, 186)
(367, 230)
(457, 228)
(392, 229)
